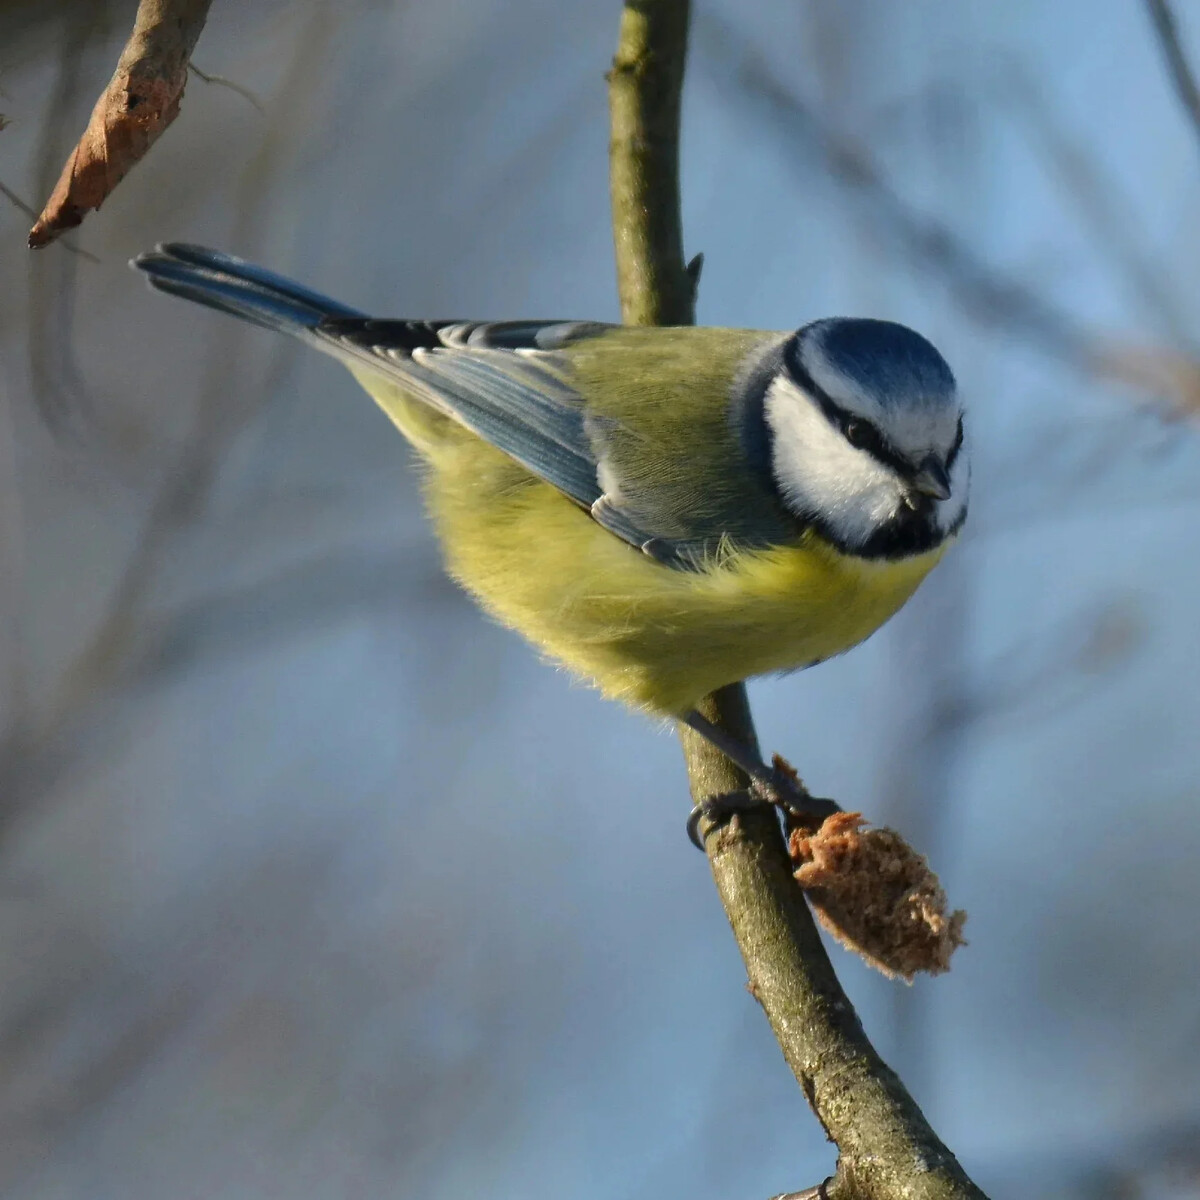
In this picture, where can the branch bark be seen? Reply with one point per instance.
(886, 1147)
(645, 87)
(140, 101)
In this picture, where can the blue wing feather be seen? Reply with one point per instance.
(506, 381)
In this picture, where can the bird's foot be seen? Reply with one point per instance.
(778, 786)
(784, 792)
(716, 810)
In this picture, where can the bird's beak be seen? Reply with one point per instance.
(931, 479)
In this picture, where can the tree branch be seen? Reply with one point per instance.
(645, 86)
(886, 1147)
(140, 101)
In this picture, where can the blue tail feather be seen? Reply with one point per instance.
(240, 288)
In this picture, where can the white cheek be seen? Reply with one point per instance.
(820, 473)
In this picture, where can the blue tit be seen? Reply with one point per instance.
(662, 510)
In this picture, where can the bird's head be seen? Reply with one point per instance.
(866, 433)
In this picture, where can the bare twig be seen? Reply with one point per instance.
(886, 1148)
(141, 100)
(220, 81)
(1182, 75)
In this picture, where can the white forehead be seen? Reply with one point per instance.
(909, 396)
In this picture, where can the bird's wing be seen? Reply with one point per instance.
(660, 465)
(519, 402)
(512, 384)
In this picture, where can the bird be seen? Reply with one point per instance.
(662, 510)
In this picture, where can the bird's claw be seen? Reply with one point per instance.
(784, 792)
(798, 805)
(718, 810)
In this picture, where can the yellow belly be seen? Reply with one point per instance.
(654, 637)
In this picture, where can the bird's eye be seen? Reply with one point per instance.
(860, 434)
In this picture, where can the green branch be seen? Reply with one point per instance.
(886, 1148)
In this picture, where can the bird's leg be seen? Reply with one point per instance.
(768, 785)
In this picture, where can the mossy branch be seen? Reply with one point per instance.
(886, 1148)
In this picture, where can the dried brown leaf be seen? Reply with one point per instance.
(877, 896)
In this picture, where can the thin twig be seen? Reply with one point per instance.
(130, 633)
(886, 1148)
(1182, 75)
(220, 81)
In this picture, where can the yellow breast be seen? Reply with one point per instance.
(644, 633)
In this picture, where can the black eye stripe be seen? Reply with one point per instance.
(874, 443)
(958, 441)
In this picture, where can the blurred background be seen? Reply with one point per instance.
(314, 883)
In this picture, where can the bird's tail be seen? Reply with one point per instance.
(235, 286)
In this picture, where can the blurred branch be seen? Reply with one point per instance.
(986, 293)
(62, 392)
(133, 644)
(14, 684)
(886, 1148)
(141, 100)
(1182, 75)
(1098, 198)
(223, 409)
(301, 599)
